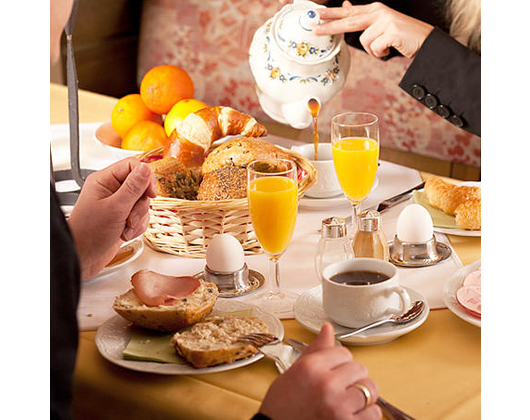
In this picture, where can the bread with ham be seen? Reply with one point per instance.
(194, 136)
(166, 303)
(214, 340)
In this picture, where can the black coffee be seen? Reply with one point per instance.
(359, 278)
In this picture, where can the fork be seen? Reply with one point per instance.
(392, 411)
(268, 345)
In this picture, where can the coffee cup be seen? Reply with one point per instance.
(327, 184)
(354, 300)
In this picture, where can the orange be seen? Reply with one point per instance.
(180, 111)
(145, 135)
(163, 86)
(128, 112)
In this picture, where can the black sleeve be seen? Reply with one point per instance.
(259, 416)
(445, 77)
(65, 274)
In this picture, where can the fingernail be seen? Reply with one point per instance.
(143, 169)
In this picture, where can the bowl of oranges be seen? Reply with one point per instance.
(144, 121)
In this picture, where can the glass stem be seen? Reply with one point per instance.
(356, 210)
(274, 275)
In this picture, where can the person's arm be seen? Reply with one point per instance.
(445, 77)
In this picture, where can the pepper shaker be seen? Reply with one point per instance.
(370, 240)
(333, 245)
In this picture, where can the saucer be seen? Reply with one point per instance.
(326, 203)
(308, 311)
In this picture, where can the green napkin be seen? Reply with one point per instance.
(439, 218)
(153, 346)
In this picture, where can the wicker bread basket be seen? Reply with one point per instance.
(186, 227)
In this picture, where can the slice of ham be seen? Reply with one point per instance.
(473, 278)
(470, 295)
(156, 289)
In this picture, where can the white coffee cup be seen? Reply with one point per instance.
(357, 305)
(327, 184)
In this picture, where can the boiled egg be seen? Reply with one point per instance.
(414, 224)
(225, 254)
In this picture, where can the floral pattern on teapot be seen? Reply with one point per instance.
(303, 48)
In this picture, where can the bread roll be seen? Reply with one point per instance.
(214, 340)
(185, 312)
(240, 152)
(225, 183)
(174, 179)
(199, 129)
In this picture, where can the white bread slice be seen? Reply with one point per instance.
(183, 313)
(213, 341)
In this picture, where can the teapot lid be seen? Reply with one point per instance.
(293, 32)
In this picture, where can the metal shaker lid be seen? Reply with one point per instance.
(369, 221)
(334, 227)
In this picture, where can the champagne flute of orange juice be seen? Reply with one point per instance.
(273, 204)
(355, 148)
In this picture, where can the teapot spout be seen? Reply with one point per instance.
(299, 114)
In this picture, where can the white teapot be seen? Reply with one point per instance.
(291, 65)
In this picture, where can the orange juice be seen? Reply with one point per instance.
(273, 203)
(355, 160)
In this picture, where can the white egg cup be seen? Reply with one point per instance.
(420, 254)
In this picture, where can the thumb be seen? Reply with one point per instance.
(324, 340)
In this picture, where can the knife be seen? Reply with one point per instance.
(392, 201)
(390, 410)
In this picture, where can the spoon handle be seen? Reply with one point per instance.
(360, 330)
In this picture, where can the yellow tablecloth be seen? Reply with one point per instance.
(431, 373)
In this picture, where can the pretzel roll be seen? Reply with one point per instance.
(200, 129)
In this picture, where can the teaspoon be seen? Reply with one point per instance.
(412, 313)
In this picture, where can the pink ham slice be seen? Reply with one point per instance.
(156, 289)
(473, 278)
(469, 295)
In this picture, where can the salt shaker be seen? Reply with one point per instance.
(370, 240)
(333, 244)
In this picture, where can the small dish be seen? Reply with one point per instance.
(107, 138)
(309, 312)
(114, 335)
(128, 252)
(452, 285)
(327, 203)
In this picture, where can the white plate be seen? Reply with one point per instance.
(326, 203)
(308, 311)
(451, 286)
(137, 246)
(114, 335)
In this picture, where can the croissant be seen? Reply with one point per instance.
(462, 201)
(467, 215)
(198, 130)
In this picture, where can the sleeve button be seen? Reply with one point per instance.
(418, 92)
(442, 111)
(430, 101)
(456, 120)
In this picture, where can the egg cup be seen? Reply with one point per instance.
(424, 254)
(238, 283)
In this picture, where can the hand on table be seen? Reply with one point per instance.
(113, 207)
(382, 27)
(320, 384)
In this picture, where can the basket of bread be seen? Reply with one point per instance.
(202, 185)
